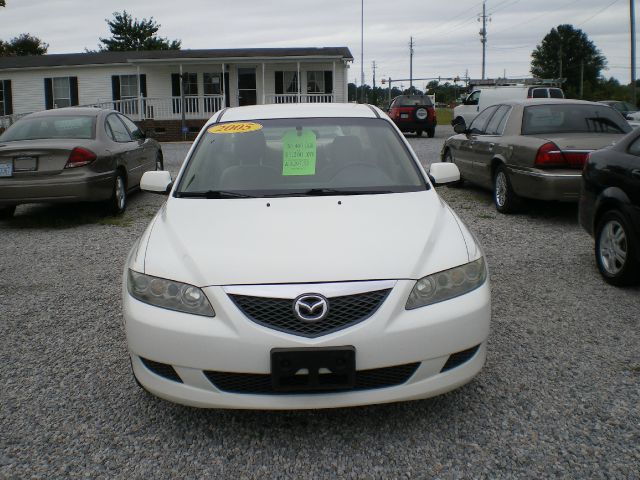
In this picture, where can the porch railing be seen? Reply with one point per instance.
(302, 98)
(170, 108)
(165, 108)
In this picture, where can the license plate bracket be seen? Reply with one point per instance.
(313, 369)
(25, 164)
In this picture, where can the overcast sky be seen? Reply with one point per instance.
(446, 37)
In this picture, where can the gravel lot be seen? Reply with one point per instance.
(559, 395)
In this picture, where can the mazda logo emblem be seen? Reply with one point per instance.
(311, 307)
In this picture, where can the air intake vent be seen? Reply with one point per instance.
(261, 383)
(162, 369)
(457, 359)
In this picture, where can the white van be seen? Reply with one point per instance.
(481, 98)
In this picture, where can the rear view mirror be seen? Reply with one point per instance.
(444, 172)
(156, 182)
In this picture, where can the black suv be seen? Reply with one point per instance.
(610, 208)
(414, 113)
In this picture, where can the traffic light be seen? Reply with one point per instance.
(384, 81)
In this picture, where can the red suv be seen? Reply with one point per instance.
(414, 113)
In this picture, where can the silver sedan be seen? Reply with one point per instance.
(533, 148)
(73, 155)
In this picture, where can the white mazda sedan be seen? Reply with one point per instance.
(303, 259)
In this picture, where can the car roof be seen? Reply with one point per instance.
(548, 101)
(297, 110)
(69, 111)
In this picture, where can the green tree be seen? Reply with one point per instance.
(128, 33)
(24, 44)
(566, 52)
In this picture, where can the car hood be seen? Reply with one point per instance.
(303, 239)
(581, 141)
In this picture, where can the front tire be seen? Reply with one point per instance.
(504, 198)
(431, 132)
(117, 204)
(616, 250)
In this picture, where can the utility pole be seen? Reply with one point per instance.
(362, 51)
(410, 64)
(483, 36)
(373, 67)
(560, 62)
(581, 78)
(633, 50)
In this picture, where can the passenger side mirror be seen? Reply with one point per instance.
(156, 182)
(444, 172)
(460, 128)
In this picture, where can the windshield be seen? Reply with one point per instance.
(572, 118)
(310, 156)
(64, 126)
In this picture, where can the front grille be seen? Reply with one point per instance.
(261, 383)
(458, 358)
(162, 369)
(277, 313)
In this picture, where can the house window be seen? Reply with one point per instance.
(290, 82)
(128, 86)
(190, 83)
(61, 92)
(315, 82)
(212, 84)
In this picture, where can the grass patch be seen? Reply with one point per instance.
(444, 116)
(486, 215)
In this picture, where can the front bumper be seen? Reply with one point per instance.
(230, 342)
(560, 185)
(61, 188)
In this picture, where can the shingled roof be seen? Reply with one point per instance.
(106, 58)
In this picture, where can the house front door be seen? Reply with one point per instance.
(246, 86)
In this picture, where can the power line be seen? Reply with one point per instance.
(529, 20)
(598, 13)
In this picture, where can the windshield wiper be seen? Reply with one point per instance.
(213, 194)
(319, 192)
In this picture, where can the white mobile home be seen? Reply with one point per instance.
(172, 91)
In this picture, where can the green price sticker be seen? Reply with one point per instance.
(299, 153)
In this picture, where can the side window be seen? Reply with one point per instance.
(136, 133)
(473, 99)
(478, 125)
(493, 127)
(119, 132)
(634, 148)
(539, 93)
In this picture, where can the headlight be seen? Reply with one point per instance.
(447, 284)
(169, 294)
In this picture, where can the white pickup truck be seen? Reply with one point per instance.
(484, 97)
